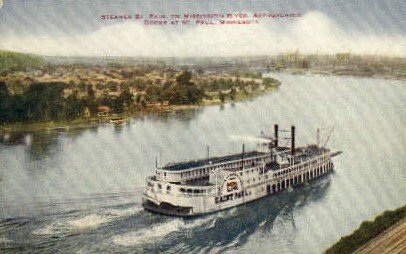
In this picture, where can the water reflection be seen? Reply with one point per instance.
(184, 115)
(42, 144)
(15, 138)
(232, 228)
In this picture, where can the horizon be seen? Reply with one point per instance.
(76, 30)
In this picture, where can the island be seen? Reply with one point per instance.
(36, 93)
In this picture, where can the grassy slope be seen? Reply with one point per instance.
(367, 231)
(19, 61)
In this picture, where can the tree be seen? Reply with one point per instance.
(74, 107)
(153, 93)
(138, 99)
(125, 98)
(184, 78)
(268, 82)
(184, 91)
(222, 97)
(4, 102)
(90, 92)
(140, 84)
(233, 94)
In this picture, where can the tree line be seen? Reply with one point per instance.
(45, 102)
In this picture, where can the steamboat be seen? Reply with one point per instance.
(212, 184)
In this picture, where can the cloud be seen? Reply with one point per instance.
(314, 32)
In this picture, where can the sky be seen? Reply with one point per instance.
(74, 28)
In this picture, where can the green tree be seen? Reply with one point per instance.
(125, 99)
(153, 93)
(222, 97)
(233, 93)
(5, 100)
(74, 107)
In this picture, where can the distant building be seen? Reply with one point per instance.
(343, 57)
(103, 111)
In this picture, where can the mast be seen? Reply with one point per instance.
(242, 156)
(292, 131)
(276, 134)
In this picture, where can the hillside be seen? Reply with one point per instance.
(14, 61)
(367, 231)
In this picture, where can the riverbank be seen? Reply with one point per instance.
(384, 226)
(126, 117)
(345, 73)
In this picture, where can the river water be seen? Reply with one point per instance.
(80, 190)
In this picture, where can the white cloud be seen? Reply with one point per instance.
(311, 33)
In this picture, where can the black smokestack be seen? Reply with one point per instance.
(276, 134)
(292, 130)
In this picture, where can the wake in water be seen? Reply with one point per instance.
(84, 223)
(164, 229)
(4, 240)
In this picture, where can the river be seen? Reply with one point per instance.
(80, 190)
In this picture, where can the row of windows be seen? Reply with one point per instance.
(195, 191)
(298, 179)
(290, 170)
(183, 190)
(204, 171)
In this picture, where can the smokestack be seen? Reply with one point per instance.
(276, 134)
(292, 130)
(242, 155)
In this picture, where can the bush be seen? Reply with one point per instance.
(367, 231)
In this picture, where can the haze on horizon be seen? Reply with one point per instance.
(72, 29)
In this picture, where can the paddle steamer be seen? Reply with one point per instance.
(212, 184)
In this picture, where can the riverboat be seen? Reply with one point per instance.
(212, 184)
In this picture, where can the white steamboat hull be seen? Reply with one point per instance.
(250, 188)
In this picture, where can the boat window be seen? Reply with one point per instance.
(196, 191)
(159, 186)
(168, 187)
(189, 191)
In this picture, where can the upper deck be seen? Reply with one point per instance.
(210, 161)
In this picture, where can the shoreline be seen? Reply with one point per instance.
(96, 121)
(339, 74)
(121, 118)
(371, 233)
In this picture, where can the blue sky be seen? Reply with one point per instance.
(74, 28)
